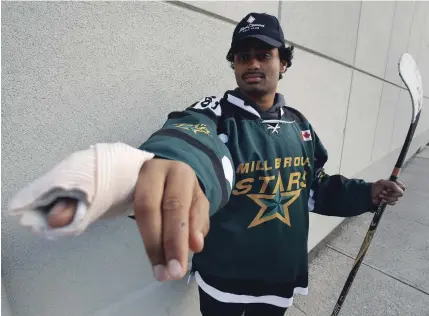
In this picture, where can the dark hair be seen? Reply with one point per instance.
(286, 54)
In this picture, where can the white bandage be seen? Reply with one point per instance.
(102, 178)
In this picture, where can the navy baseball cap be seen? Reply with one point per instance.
(261, 26)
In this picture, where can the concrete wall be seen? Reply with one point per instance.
(76, 73)
(5, 306)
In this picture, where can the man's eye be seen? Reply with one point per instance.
(265, 56)
(243, 57)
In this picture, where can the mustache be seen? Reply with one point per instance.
(253, 73)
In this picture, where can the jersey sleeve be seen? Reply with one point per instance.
(191, 136)
(336, 195)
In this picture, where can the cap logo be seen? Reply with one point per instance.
(251, 26)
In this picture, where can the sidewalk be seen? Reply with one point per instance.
(394, 277)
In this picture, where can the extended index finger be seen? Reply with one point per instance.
(176, 203)
(147, 209)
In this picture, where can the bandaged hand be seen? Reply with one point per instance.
(171, 211)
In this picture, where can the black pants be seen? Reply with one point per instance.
(212, 307)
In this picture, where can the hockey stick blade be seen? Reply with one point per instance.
(410, 75)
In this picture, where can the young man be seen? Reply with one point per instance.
(234, 178)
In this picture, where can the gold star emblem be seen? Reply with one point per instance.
(273, 206)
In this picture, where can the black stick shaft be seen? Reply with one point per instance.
(375, 220)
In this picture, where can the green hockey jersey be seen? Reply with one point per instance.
(263, 172)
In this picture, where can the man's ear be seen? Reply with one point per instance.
(283, 66)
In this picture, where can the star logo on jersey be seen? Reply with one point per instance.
(197, 128)
(274, 206)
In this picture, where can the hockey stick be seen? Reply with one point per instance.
(410, 75)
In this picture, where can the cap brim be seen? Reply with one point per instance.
(263, 38)
(268, 40)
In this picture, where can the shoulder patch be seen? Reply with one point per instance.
(211, 103)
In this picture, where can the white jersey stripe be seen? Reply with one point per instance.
(246, 299)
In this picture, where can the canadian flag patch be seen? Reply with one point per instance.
(306, 135)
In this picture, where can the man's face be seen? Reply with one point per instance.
(257, 67)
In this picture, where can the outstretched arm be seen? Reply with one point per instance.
(181, 175)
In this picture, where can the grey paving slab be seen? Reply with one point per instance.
(294, 311)
(414, 206)
(372, 293)
(400, 247)
(415, 182)
(424, 153)
(418, 166)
